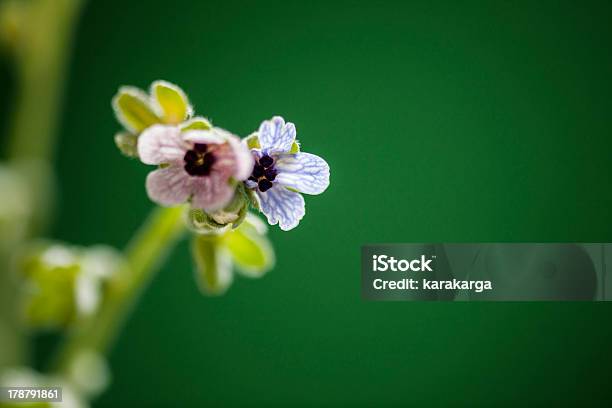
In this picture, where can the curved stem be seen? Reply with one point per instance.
(144, 254)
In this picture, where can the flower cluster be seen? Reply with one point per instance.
(219, 176)
(208, 166)
(62, 283)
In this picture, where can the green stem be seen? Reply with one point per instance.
(143, 256)
(41, 52)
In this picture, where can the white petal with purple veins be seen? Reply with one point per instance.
(161, 144)
(304, 172)
(204, 136)
(250, 183)
(169, 186)
(276, 136)
(282, 206)
(212, 192)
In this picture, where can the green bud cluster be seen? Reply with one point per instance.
(136, 110)
(61, 284)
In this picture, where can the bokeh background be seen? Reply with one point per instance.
(442, 122)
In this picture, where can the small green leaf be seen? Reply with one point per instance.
(251, 250)
(252, 141)
(213, 264)
(295, 147)
(127, 143)
(197, 123)
(133, 110)
(172, 101)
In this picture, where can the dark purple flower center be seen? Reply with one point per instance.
(264, 173)
(199, 161)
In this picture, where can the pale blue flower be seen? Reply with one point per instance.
(282, 172)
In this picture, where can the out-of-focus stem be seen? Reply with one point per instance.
(144, 254)
(41, 49)
(38, 35)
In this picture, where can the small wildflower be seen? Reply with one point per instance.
(281, 172)
(201, 165)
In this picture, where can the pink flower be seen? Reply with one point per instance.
(201, 165)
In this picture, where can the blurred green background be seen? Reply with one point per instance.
(442, 122)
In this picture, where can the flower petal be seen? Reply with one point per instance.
(133, 110)
(282, 206)
(250, 183)
(171, 101)
(161, 144)
(276, 136)
(211, 136)
(197, 123)
(243, 159)
(305, 172)
(169, 186)
(212, 192)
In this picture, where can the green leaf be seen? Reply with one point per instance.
(127, 143)
(133, 110)
(252, 141)
(172, 101)
(295, 147)
(213, 264)
(197, 123)
(250, 249)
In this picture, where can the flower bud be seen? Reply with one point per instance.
(127, 143)
(62, 283)
(136, 110)
(233, 214)
(245, 249)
